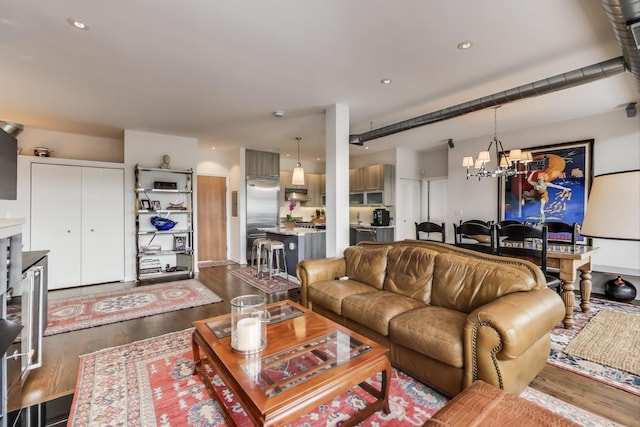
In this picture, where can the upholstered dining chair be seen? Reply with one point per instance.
(528, 242)
(474, 236)
(431, 227)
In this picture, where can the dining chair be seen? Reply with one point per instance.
(567, 230)
(528, 242)
(431, 227)
(506, 222)
(474, 236)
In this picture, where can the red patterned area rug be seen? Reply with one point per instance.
(276, 284)
(150, 382)
(561, 337)
(100, 309)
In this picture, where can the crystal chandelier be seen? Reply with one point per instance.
(508, 163)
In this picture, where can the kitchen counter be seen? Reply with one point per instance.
(370, 226)
(297, 231)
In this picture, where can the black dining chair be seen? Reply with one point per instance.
(528, 242)
(506, 222)
(569, 231)
(477, 221)
(431, 227)
(474, 236)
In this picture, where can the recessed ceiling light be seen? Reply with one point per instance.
(385, 81)
(213, 148)
(366, 147)
(465, 44)
(77, 24)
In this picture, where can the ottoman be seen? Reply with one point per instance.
(482, 405)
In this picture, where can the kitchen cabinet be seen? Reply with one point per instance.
(77, 212)
(356, 182)
(372, 186)
(313, 182)
(167, 194)
(285, 182)
(370, 234)
(262, 163)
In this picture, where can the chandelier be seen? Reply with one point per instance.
(508, 163)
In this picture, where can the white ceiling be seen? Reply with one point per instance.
(217, 70)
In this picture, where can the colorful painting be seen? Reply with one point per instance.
(555, 189)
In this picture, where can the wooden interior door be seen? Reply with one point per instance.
(212, 218)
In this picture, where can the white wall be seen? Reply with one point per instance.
(147, 149)
(616, 148)
(434, 163)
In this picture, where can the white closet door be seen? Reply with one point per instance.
(55, 220)
(102, 225)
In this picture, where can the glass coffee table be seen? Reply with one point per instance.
(308, 361)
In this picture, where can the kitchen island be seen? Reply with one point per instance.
(300, 243)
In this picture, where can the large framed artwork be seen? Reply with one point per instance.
(555, 189)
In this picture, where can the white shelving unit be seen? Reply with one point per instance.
(164, 254)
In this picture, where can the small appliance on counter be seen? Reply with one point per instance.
(380, 217)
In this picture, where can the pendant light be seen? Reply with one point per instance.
(298, 172)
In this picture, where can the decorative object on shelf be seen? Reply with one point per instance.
(177, 207)
(298, 172)
(149, 249)
(165, 162)
(161, 185)
(42, 152)
(179, 243)
(146, 204)
(156, 205)
(620, 290)
(508, 163)
(162, 224)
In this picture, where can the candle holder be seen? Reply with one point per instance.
(249, 317)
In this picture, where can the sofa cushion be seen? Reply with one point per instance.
(366, 264)
(330, 293)
(464, 284)
(375, 310)
(410, 271)
(435, 332)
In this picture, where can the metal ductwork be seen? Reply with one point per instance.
(621, 14)
(541, 87)
(11, 128)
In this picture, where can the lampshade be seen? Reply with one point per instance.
(515, 155)
(526, 157)
(298, 172)
(478, 164)
(483, 156)
(467, 162)
(298, 175)
(613, 209)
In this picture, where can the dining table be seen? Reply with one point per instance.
(569, 259)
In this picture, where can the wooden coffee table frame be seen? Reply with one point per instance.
(285, 337)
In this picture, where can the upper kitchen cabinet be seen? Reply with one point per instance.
(315, 189)
(356, 182)
(372, 185)
(262, 163)
(285, 182)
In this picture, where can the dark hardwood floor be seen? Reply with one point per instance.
(57, 377)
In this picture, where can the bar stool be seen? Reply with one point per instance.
(275, 249)
(256, 252)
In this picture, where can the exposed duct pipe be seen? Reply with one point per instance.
(541, 87)
(621, 14)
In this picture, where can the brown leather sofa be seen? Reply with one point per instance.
(449, 316)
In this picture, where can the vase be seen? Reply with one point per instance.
(619, 290)
(288, 225)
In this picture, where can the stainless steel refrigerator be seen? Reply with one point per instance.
(263, 208)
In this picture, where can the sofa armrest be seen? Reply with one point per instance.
(316, 270)
(513, 323)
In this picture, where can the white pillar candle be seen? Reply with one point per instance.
(248, 334)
